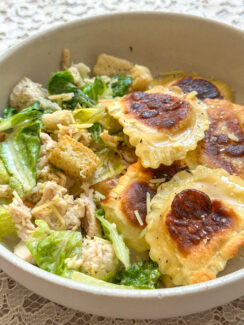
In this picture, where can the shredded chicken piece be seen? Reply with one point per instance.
(98, 258)
(45, 172)
(90, 222)
(52, 120)
(78, 81)
(111, 140)
(25, 93)
(59, 209)
(21, 215)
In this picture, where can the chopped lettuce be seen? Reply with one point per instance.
(89, 115)
(8, 112)
(87, 279)
(63, 82)
(95, 130)
(120, 85)
(4, 175)
(141, 275)
(121, 250)
(19, 154)
(51, 248)
(28, 114)
(97, 89)
(7, 226)
(110, 165)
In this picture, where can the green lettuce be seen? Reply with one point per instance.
(97, 89)
(63, 82)
(95, 130)
(121, 250)
(7, 226)
(120, 85)
(4, 175)
(89, 115)
(8, 112)
(51, 248)
(110, 165)
(19, 154)
(141, 275)
(28, 114)
(87, 279)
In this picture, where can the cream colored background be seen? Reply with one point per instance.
(18, 19)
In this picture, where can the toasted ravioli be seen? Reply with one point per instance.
(162, 124)
(126, 201)
(205, 87)
(223, 144)
(196, 224)
(127, 204)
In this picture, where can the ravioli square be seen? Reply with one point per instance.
(196, 224)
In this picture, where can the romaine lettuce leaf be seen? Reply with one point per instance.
(121, 250)
(141, 275)
(97, 89)
(19, 154)
(8, 112)
(63, 82)
(51, 248)
(7, 226)
(120, 85)
(87, 279)
(110, 165)
(4, 175)
(28, 114)
(95, 130)
(89, 115)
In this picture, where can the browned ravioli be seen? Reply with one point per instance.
(128, 203)
(223, 144)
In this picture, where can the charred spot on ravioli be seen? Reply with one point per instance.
(194, 218)
(160, 111)
(204, 88)
(134, 199)
(167, 172)
(223, 144)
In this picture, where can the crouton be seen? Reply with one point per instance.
(110, 65)
(25, 93)
(51, 121)
(76, 160)
(141, 76)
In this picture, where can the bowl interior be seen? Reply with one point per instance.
(163, 42)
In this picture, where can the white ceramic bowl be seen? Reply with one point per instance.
(162, 42)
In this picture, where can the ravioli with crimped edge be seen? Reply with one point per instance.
(205, 87)
(196, 224)
(223, 144)
(127, 204)
(162, 124)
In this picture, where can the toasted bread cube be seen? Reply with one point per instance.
(110, 65)
(51, 121)
(75, 159)
(141, 76)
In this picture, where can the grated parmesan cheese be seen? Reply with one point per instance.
(157, 180)
(148, 202)
(138, 217)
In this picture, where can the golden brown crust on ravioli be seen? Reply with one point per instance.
(205, 87)
(130, 195)
(162, 124)
(196, 224)
(127, 197)
(223, 144)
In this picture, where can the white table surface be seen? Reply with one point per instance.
(18, 20)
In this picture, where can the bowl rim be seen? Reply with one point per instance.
(35, 271)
